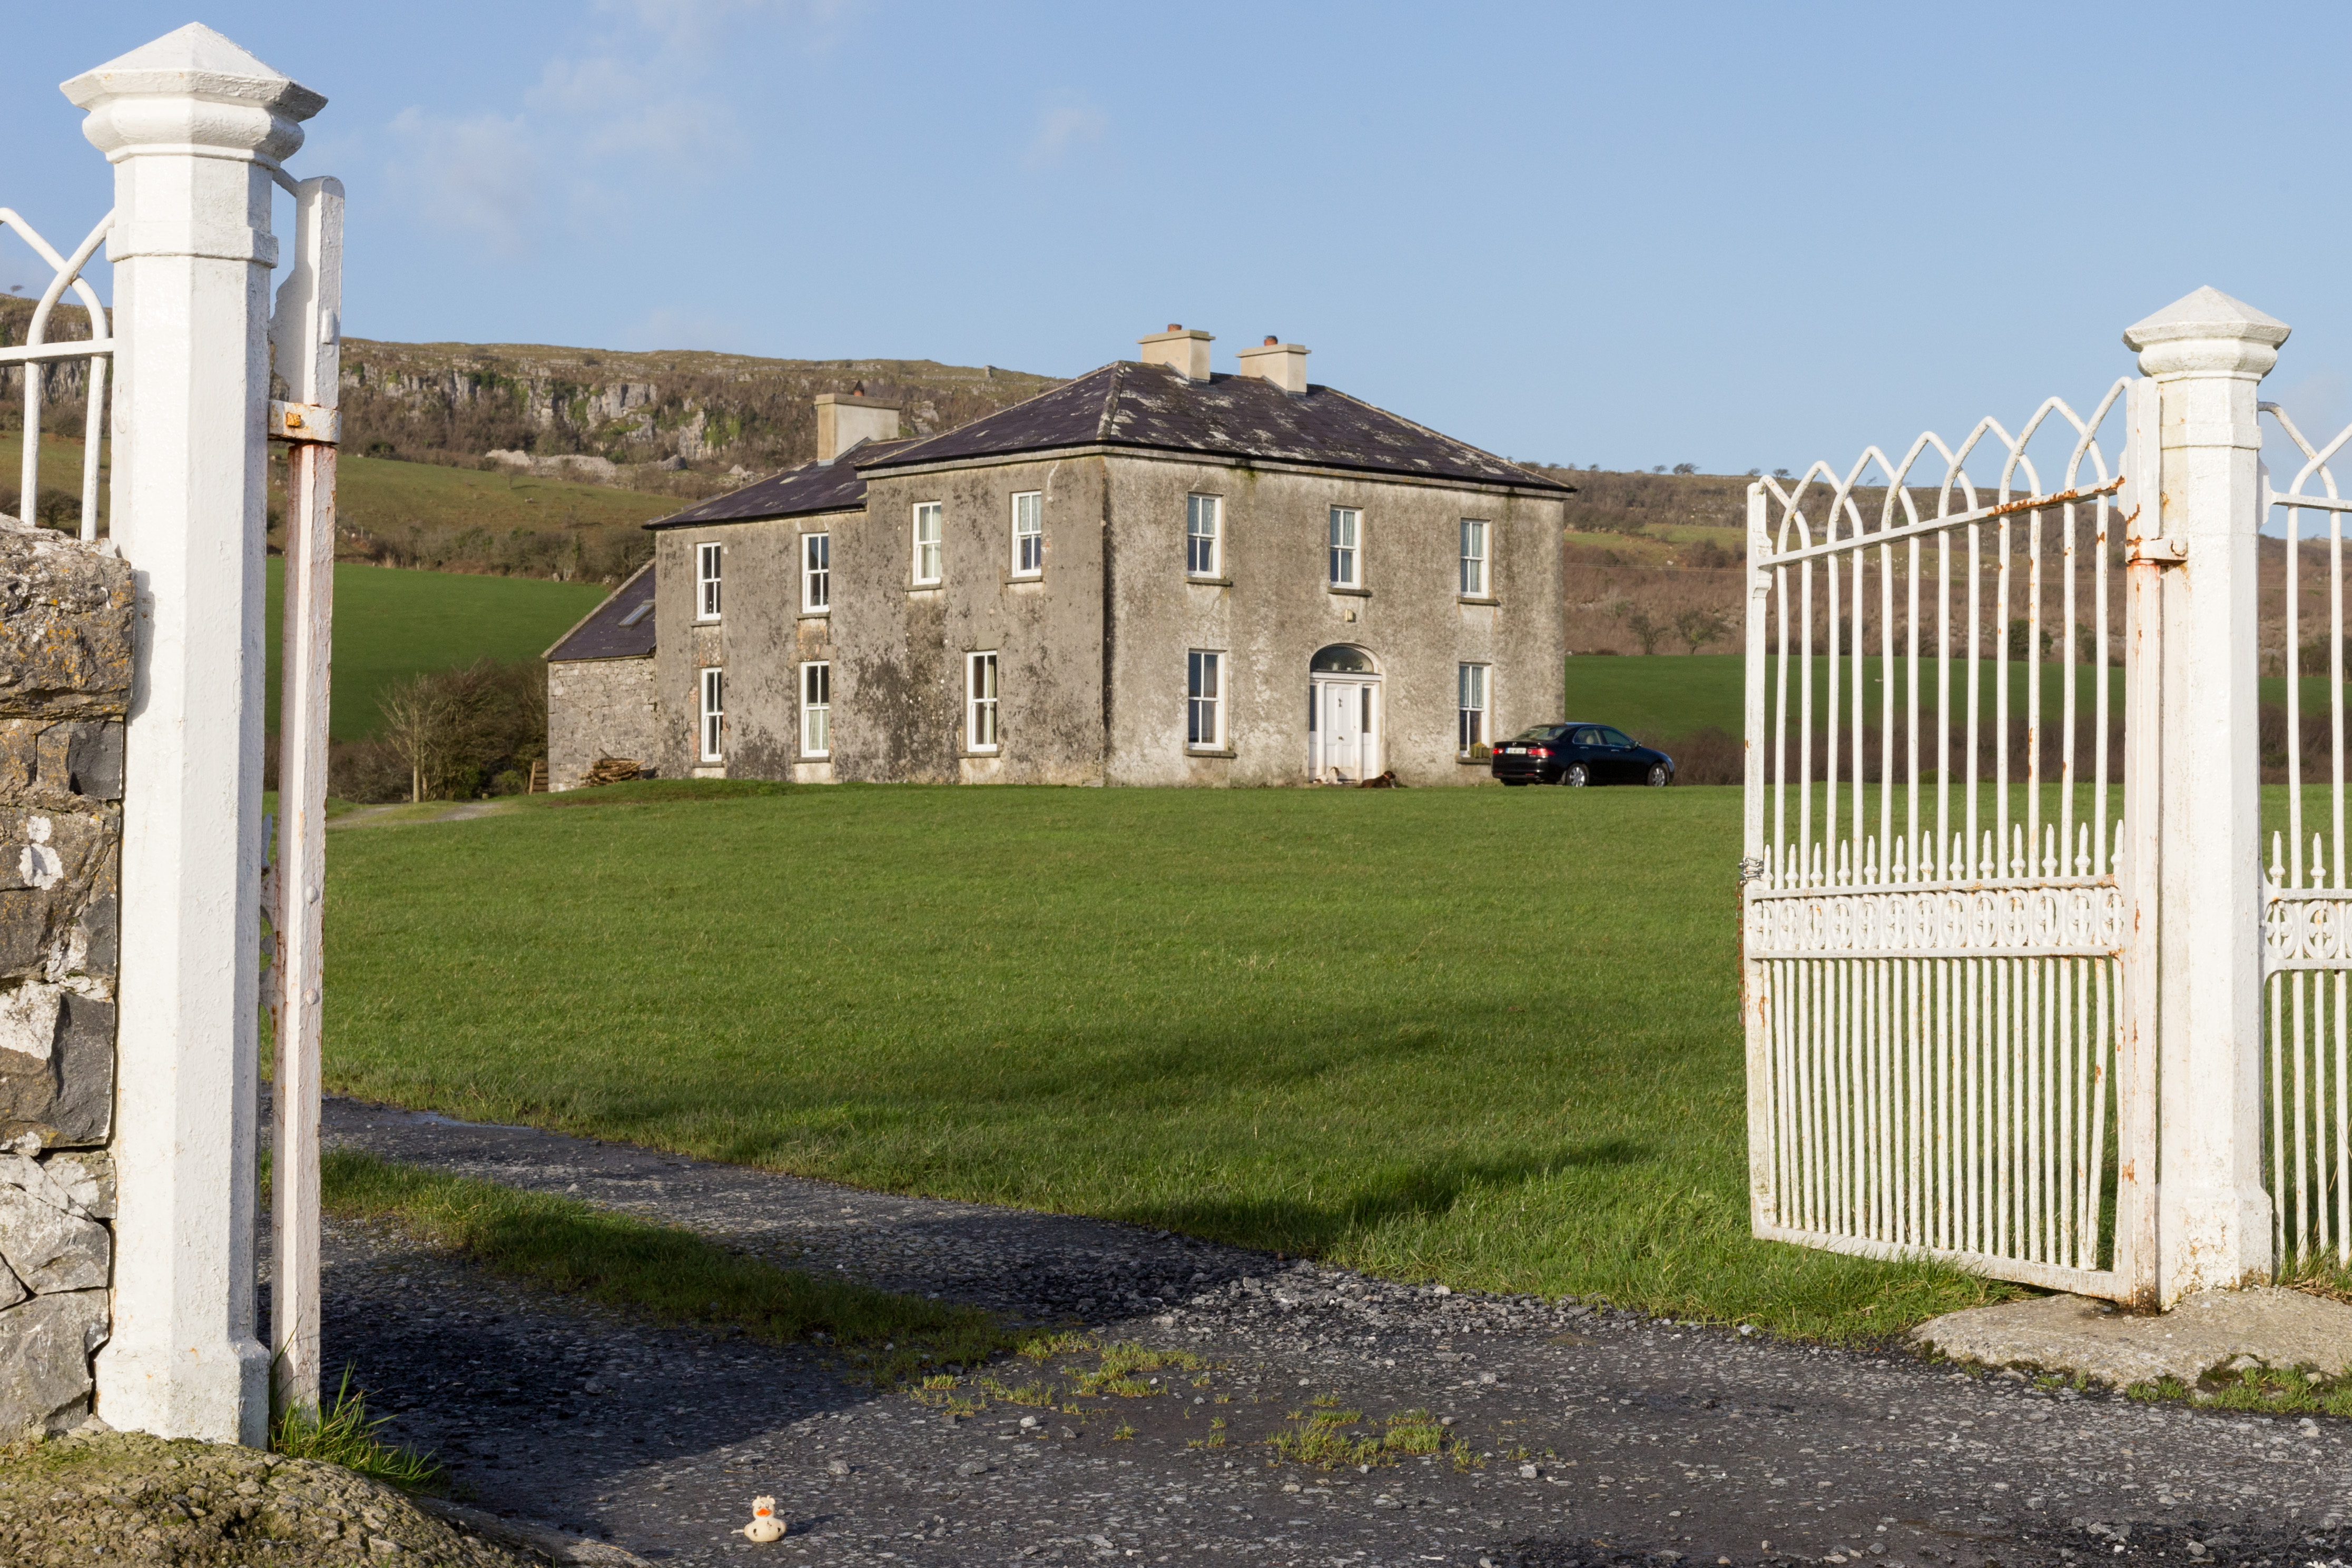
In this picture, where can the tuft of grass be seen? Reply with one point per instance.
(2256, 1388)
(664, 1271)
(1322, 1438)
(344, 1434)
(1124, 1365)
(1413, 1432)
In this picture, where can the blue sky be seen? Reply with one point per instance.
(1729, 235)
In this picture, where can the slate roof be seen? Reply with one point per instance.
(795, 493)
(1154, 408)
(601, 635)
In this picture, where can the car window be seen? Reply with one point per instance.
(1588, 735)
(1540, 732)
(1610, 737)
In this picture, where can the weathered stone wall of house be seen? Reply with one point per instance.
(899, 665)
(759, 640)
(1091, 652)
(598, 709)
(1277, 608)
(65, 686)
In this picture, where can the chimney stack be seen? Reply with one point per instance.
(1186, 353)
(1284, 364)
(842, 421)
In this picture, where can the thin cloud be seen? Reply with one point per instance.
(479, 174)
(1062, 132)
(666, 327)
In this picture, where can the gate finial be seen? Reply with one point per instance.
(2206, 332)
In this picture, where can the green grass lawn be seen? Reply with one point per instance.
(1486, 1036)
(390, 624)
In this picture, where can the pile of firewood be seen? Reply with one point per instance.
(612, 771)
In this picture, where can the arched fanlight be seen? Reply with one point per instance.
(1339, 659)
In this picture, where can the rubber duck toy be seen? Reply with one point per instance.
(764, 1525)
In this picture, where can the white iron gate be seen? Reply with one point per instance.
(2307, 902)
(36, 357)
(1939, 992)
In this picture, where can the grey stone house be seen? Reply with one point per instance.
(1152, 574)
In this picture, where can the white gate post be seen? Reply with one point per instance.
(2207, 353)
(194, 126)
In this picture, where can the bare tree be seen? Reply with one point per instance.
(417, 726)
(1646, 631)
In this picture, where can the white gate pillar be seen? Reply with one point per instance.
(2207, 353)
(194, 126)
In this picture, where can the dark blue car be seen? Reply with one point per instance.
(1578, 753)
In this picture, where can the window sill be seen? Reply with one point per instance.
(706, 620)
(1474, 599)
(1347, 592)
(1025, 579)
(990, 755)
(1466, 760)
(814, 757)
(1209, 582)
(825, 615)
(926, 587)
(1208, 751)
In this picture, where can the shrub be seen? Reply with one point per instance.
(453, 730)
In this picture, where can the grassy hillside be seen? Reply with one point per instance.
(391, 623)
(421, 514)
(439, 517)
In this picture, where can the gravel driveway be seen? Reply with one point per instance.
(1603, 1436)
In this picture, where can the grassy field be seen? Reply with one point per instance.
(390, 624)
(1485, 1035)
(386, 496)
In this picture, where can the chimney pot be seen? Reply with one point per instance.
(1185, 352)
(1284, 364)
(1271, 339)
(1175, 326)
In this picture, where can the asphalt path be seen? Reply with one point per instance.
(1588, 1434)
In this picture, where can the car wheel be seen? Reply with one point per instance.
(1577, 777)
(1659, 777)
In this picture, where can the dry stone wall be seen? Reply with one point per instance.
(65, 688)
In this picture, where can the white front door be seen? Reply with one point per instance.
(1346, 721)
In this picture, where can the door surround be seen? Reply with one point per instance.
(1345, 721)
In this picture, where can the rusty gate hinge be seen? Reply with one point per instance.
(305, 421)
(2169, 550)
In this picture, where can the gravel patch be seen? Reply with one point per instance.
(1588, 1434)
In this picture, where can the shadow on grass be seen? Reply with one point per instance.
(1382, 1199)
(667, 1272)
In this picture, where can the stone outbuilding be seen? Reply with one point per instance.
(601, 697)
(1153, 574)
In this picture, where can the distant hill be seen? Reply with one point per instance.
(598, 441)
(686, 422)
(673, 427)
